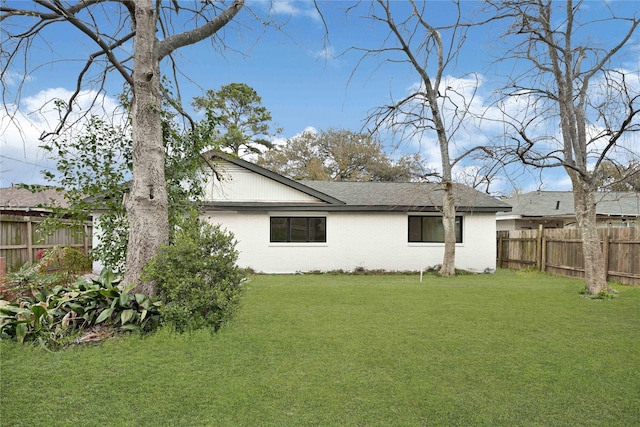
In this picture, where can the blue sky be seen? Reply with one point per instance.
(304, 79)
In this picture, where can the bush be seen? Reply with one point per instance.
(196, 276)
(25, 282)
(63, 259)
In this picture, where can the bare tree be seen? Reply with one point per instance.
(110, 25)
(434, 106)
(569, 82)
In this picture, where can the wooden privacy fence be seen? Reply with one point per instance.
(559, 251)
(21, 239)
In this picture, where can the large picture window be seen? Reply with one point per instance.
(429, 229)
(298, 229)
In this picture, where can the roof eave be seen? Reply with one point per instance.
(279, 206)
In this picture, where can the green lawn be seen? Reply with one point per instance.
(325, 350)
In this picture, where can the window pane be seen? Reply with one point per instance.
(279, 227)
(317, 230)
(298, 229)
(458, 229)
(415, 227)
(432, 229)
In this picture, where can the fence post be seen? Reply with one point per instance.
(605, 252)
(543, 264)
(3, 266)
(539, 247)
(500, 252)
(30, 241)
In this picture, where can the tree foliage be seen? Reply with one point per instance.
(339, 155)
(93, 167)
(242, 123)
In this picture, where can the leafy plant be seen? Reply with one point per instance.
(64, 259)
(59, 265)
(197, 277)
(28, 279)
(93, 167)
(53, 316)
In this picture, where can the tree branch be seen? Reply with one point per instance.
(170, 44)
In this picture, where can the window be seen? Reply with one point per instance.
(298, 229)
(429, 229)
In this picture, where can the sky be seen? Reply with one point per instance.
(309, 74)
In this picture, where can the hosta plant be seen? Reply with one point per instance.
(53, 316)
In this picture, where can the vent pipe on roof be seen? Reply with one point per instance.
(558, 205)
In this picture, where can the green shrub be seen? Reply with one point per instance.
(64, 259)
(196, 276)
(54, 316)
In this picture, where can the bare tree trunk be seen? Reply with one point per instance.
(585, 207)
(448, 267)
(146, 203)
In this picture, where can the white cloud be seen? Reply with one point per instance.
(11, 78)
(326, 53)
(295, 9)
(21, 158)
(282, 141)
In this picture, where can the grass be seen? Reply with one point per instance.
(329, 350)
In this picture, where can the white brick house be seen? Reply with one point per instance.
(286, 226)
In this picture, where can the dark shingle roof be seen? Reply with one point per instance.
(404, 194)
(560, 203)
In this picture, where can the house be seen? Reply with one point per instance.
(555, 209)
(287, 226)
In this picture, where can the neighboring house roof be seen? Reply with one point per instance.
(22, 199)
(361, 196)
(559, 204)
